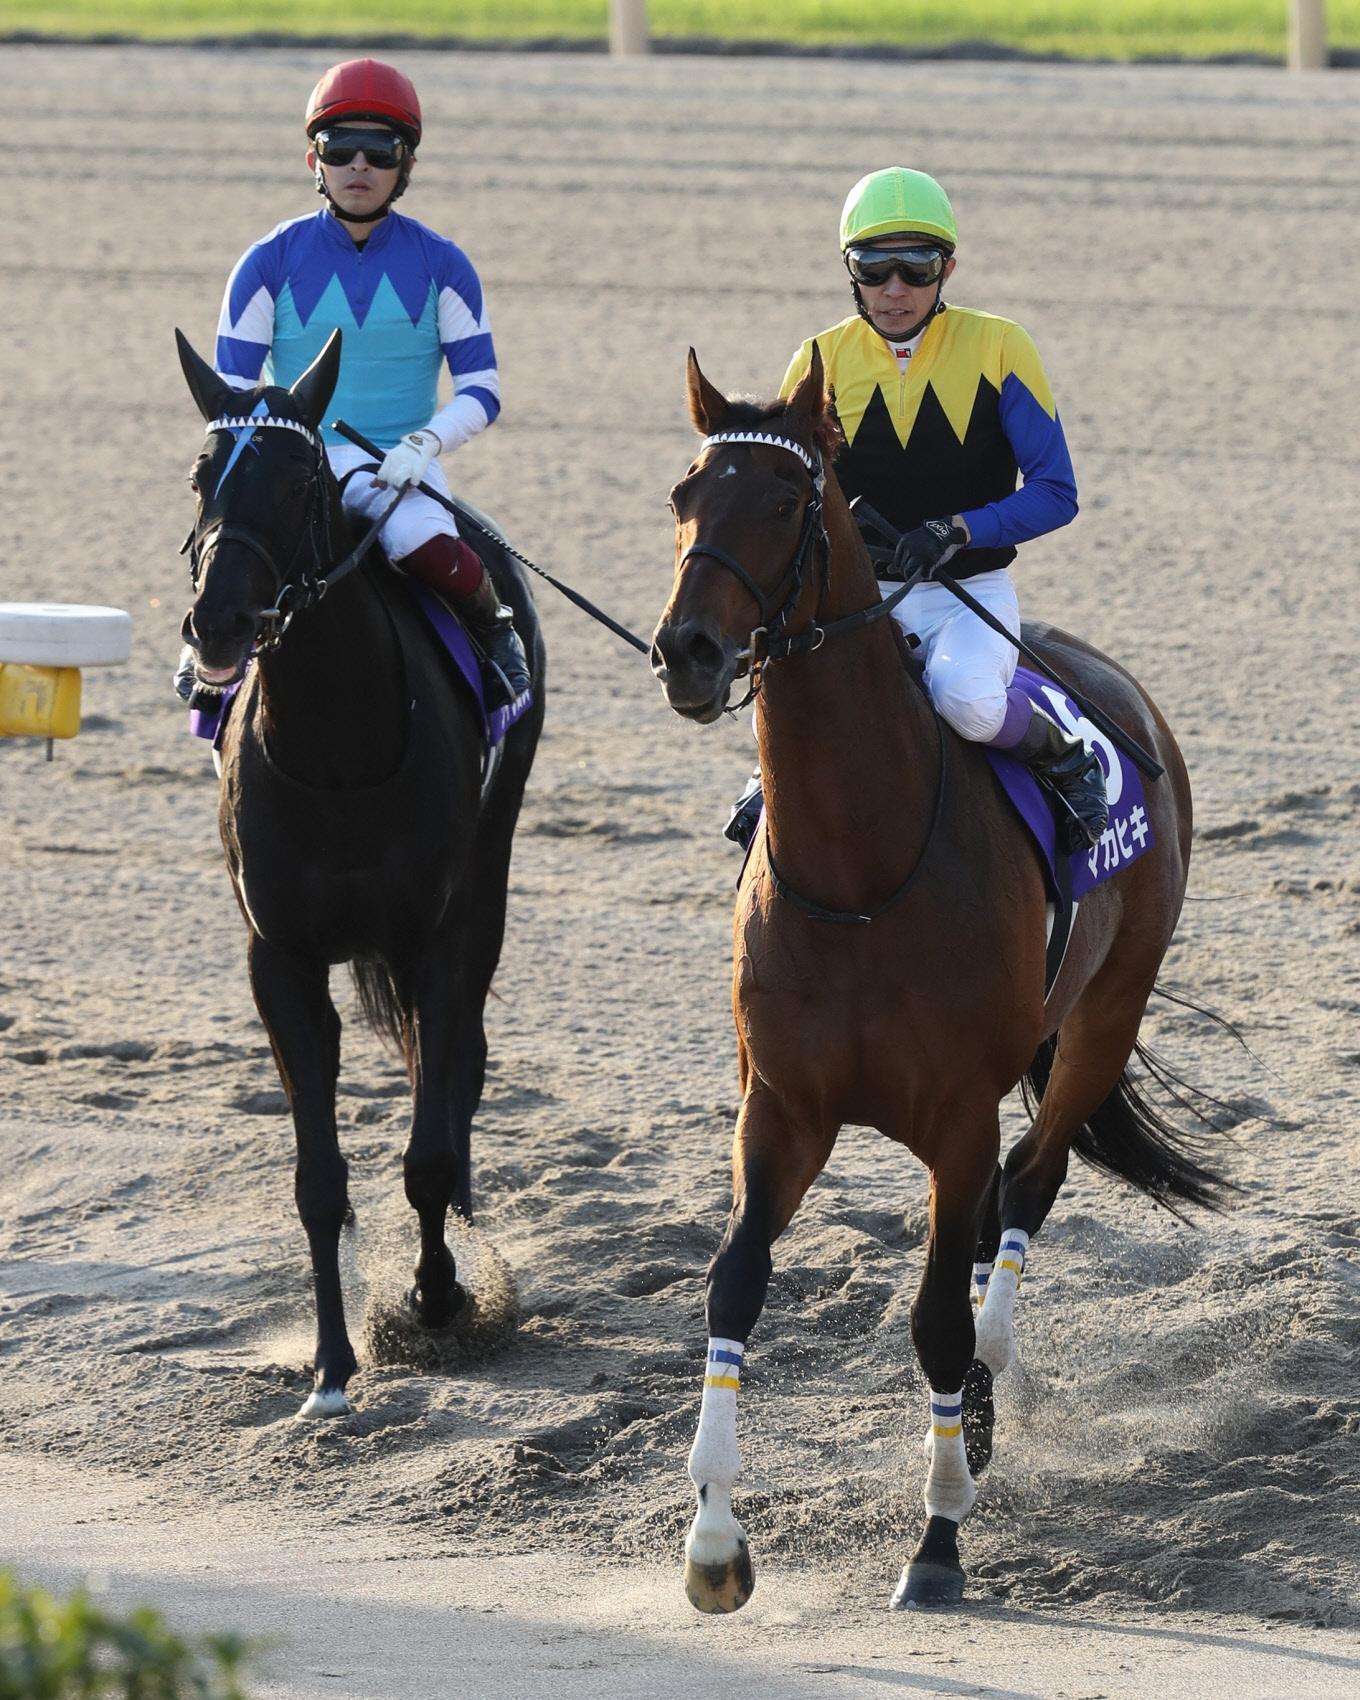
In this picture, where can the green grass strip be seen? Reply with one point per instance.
(1109, 29)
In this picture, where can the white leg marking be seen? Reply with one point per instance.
(996, 1320)
(950, 1490)
(330, 1403)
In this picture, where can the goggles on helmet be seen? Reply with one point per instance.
(383, 150)
(917, 267)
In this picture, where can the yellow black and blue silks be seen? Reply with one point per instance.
(972, 412)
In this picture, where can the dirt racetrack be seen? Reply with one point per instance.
(1174, 1499)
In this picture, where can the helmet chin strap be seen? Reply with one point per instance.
(904, 336)
(323, 189)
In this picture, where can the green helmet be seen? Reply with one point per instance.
(897, 199)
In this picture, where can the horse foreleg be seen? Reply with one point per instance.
(942, 1331)
(774, 1162)
(294, 1003)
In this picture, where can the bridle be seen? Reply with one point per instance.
(299, 589)
(769, 642)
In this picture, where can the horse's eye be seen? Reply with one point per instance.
(788, 507)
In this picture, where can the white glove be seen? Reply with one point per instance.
(407, 462)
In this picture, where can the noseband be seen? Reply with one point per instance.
(761, 649)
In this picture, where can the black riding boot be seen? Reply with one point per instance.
(1066, 766)
(493, 626)
(746, 812)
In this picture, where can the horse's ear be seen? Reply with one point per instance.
(314, 389)
(708, 408)
(808, 400)
(213, 395)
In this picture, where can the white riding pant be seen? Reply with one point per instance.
(414, 520)
(968, 665)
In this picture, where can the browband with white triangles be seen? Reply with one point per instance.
(235, 424)
(761, 437)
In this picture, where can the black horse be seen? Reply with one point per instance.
(354, 814)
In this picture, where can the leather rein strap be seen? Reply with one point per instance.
(777, 645)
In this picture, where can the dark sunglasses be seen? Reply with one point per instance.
(915, 266)
(380, 148)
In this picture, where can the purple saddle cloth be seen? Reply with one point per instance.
(1129, 833)
(496, 722)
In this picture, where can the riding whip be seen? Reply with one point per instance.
(1146, 764)
(463, 517)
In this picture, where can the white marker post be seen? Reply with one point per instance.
(627, 27)
(43, 646)
(1307, 35)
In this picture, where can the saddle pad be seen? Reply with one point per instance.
(449, 629)
(1129, 832)
(496, 722)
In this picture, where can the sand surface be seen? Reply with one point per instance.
(1174, 1498)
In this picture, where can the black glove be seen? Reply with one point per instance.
(920, 552)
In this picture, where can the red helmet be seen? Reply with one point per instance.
(366, 88)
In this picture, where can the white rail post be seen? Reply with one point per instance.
(628, 26)
(1307, 35)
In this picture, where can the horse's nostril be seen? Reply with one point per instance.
(703, 652)
(685, 650)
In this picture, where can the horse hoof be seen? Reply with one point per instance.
(724, 1586)
(979, 1416)
(437, 1310)
(325, 1402)
(924, 1583)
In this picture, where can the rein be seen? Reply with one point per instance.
(852, 917)
(770, 643)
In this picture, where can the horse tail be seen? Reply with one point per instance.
(385, 1003)
(1131, 1138)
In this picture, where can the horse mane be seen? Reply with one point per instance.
(747, 412)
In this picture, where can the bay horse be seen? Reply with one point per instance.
(889, 951)
(353, 814)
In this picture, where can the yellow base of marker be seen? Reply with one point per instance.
(39, 702)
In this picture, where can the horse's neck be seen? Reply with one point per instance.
(847, 745)
(334, 694)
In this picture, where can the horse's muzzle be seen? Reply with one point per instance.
(694, 668)
(219, 657)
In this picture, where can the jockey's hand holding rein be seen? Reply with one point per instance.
(408, 462)
(920, 552)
